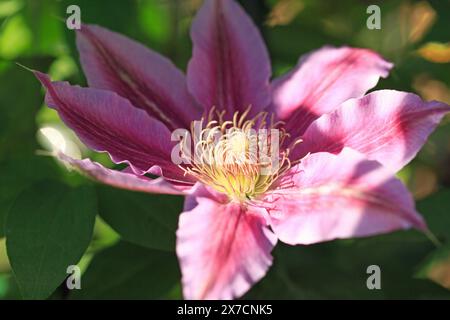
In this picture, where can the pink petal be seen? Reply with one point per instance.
(388, 126)
(104, 121)
(200, 190)
(223, 249)
(322, 81)
(230, 66)
(151, 82)
(122, 180)
(342, 196)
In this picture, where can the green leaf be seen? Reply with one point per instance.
(338, 270)
(141, 218)
(19, 165)
(127, 271)
(48, 228)
(18, 174)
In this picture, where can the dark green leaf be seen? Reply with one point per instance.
(48, 228)
(17, 174)
(338, 270)
(127, 271)
(144, 219)
(19, 166)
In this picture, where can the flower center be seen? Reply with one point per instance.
(240, 158)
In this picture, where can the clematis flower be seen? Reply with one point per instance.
(339, 148)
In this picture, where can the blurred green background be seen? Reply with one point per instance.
(123, 241)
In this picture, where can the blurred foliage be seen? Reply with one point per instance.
(129, 251)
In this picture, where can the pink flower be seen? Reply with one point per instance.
(337, 183)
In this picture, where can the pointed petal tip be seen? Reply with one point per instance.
(24, 67)
(389, 126)
(87, 29)
(105, 121)
(442, 105)
(230, 66)
(42, 77)
(324, 79)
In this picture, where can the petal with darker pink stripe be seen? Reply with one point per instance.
(230, 66)
(120, 179)
(322, 80)
(105, 121)
(223, 249)
(386, 125)
(342, 196)
(150, 81)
